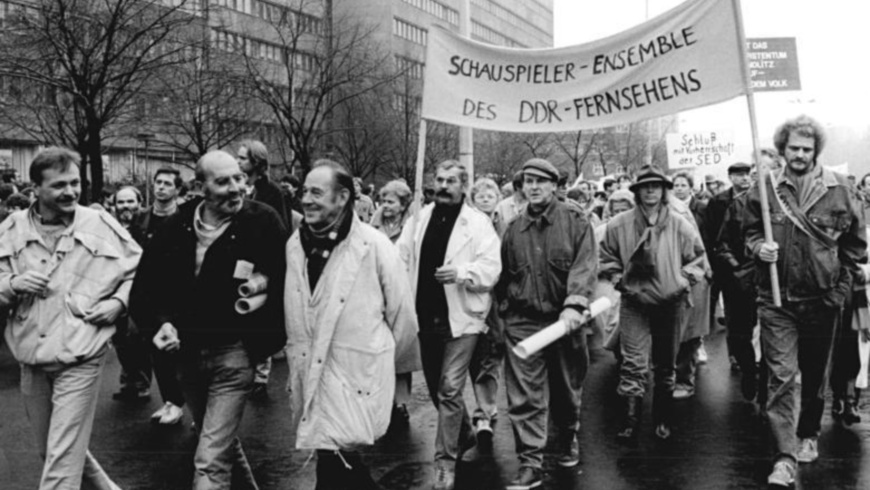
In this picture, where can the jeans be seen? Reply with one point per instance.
(60, 405)
(647, 331)
(166, 374)
(445, 367)
(547, 383)
(687, 363)
(134, 354)
(741, 316)
(845, 364)
(796, 337)
(216, 382)
(485, 365)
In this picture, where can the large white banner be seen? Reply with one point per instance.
(687, 57)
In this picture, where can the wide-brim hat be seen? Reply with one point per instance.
(650, 174)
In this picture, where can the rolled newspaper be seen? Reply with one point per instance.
(556, 331)
(248, 305)
(255, 284)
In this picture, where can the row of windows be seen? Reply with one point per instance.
(236, 43)
(407, 104)
(486, 34)
(411, 32)
(437, 9)
(412, 68)
(506, 15)
(275, 13)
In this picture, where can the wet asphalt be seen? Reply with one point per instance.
(719, 442)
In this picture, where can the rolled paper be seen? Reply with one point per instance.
(248, 305)
(256, 284)
(556, 331)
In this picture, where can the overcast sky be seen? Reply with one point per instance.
(832, 42)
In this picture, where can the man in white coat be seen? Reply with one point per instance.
(453, 253)
(349, 314)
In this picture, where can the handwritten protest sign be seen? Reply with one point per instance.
(706, 150)
(773, 64)
(687, 57)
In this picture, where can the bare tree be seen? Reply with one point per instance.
(577, 147)
(322, 66)
(81, 63)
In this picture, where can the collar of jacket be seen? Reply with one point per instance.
(547, 217)
(827, 177)
(81, 230)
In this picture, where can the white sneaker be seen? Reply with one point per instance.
(172, 415)
(702, 355)
(808, 450)
(160, 412)
(783, 474)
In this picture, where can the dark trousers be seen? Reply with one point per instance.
(741, 315)
(845, 363)
(134, 354)
(166, 373)
(547, 383)
(796, 337)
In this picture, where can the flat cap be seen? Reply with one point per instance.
(541, 168)
(739, 167)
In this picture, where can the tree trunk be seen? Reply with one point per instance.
(95, 160)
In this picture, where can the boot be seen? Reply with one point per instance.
(663, 406)
(632, 411)
(838, 407)
(851, 415)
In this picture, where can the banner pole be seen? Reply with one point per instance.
(762, 171)
(466, 134)
(418, 176)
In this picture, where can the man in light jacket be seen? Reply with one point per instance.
(452, 250)
(65, 276)
(349, 315)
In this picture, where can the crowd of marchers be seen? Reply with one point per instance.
(203, 292)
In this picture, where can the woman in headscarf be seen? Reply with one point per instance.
(390, 219)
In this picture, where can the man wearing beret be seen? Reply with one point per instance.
(655, 256)
(550, 270)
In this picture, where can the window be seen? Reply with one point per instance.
(411, 32)
(412, 68)
(437, 9)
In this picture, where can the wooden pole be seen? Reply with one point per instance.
(762, 171)
(466, 135)
(418, 176)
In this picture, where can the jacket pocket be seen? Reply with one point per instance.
(474, 304)
(557, 279)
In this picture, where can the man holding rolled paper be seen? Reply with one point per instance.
(654, 255)
(452, 252)
(188, 289)
(550, 262)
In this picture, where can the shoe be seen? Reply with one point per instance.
(400, 419)
(701, 355)
(132, 395)
(259, 392)
(156, 416)
(445, 476)
(632, 408)
(527, 478)
(735, 366)
(483, 442)
(663, 431)
(172, 415)
(838, 407)
(682, 392)
(569, 456)
(749, 386)
(808, 450)
(783, 474)
(851, 415)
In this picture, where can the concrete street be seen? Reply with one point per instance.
(718, 442)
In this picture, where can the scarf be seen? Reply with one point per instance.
(318, 243)
(642, 263)
(803, 183)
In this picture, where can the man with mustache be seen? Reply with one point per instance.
(550, 271)
(186, 292)
(818, 227)
(453, 254)
(65, 277)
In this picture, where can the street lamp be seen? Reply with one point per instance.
(145, 138)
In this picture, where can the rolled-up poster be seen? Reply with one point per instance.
(248, 305)
(255, 284)
(556, 331)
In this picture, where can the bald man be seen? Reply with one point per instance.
(185, 292)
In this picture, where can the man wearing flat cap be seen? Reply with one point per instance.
(733, 273)
(550, 262)
(655, 256)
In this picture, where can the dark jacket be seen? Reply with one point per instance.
(270, 194)
(139, 227)
(714, 217)
(548, 263)
(808, 268)
(736, 267)
(202, 308)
